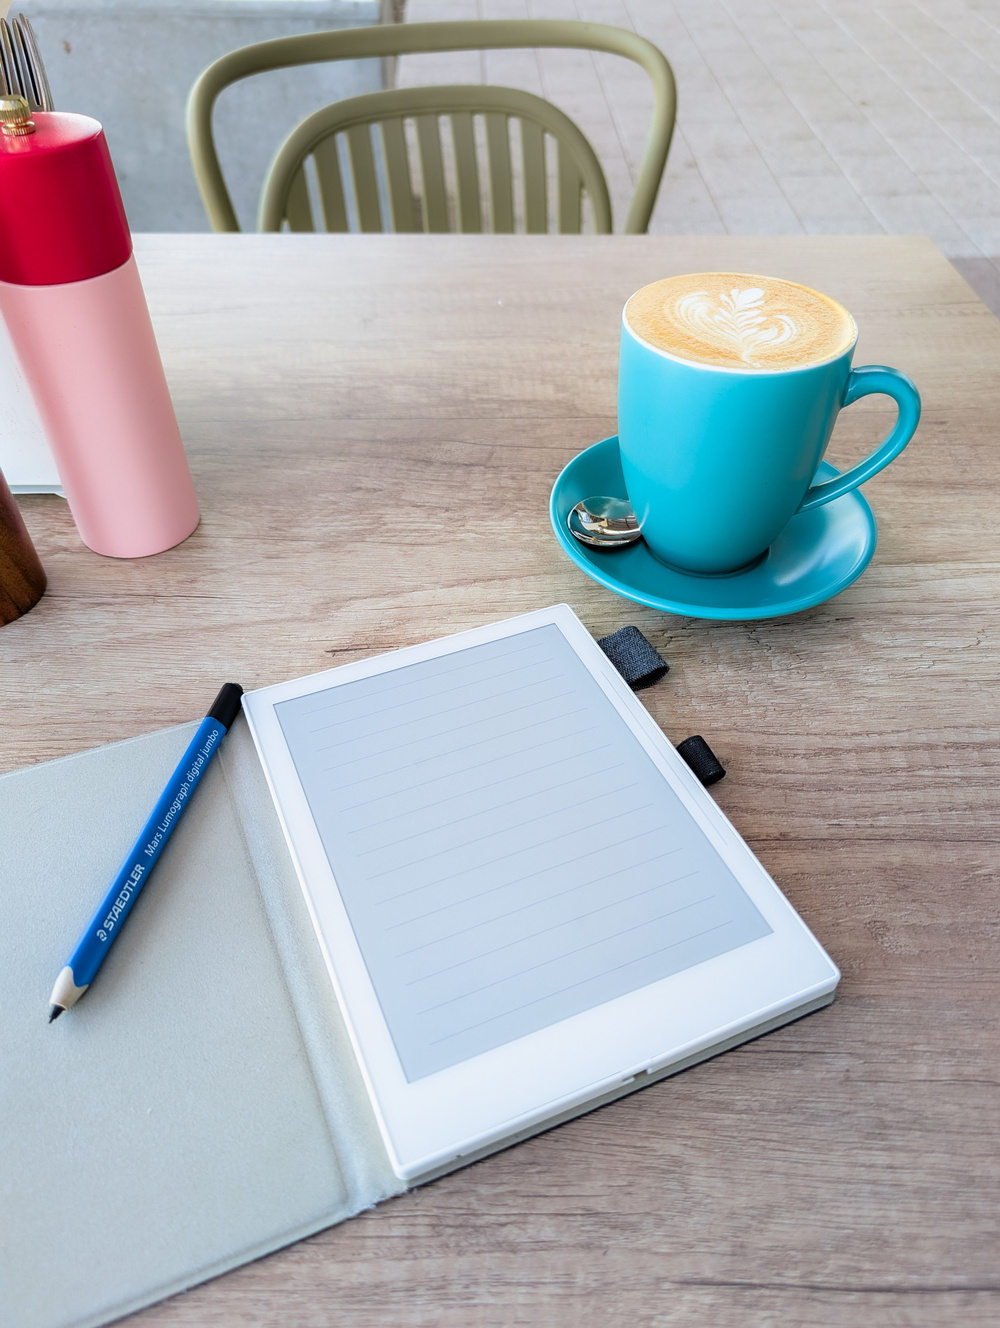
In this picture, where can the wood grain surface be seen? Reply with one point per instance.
(361, 413)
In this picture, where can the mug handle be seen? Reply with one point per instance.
(863, 382)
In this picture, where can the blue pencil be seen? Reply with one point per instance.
(116, 905)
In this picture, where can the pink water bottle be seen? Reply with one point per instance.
(73, 303)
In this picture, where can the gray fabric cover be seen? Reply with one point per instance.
(202, 1105)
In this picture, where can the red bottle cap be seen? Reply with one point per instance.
(61, 213)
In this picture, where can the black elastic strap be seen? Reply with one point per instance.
(702, 760)
(639, 663)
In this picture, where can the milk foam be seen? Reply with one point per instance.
(735, 320)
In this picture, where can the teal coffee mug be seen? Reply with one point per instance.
(729, 386)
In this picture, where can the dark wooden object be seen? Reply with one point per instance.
(22, 577)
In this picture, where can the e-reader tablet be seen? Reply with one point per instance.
(526, 901)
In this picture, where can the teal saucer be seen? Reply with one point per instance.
(816, 556)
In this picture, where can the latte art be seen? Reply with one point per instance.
(736, 320)
(733, 320)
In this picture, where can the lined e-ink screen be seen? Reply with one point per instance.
(507, 852)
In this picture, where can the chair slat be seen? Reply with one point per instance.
(397, 165)
(501, 190)
(444, 189)
(298, 209)
(331, 186)
(432, 170)
(570, 189)
(359, 139)
(536, 211)
(470, 213)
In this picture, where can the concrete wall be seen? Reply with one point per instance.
(131, 64)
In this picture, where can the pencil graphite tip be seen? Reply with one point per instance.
(55, 1011)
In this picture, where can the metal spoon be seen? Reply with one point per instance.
(604, 523)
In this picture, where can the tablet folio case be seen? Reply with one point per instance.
(205, 1106)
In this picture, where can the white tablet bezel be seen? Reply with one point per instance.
(458, 1111)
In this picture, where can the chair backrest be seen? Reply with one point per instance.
(410, 38)
(286, 195)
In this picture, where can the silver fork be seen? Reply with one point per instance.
(33, 60)
(21, 69)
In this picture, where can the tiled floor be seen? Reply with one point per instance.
(817, 116)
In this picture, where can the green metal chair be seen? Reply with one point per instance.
(313, 145)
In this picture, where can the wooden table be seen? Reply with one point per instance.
(359, 412)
